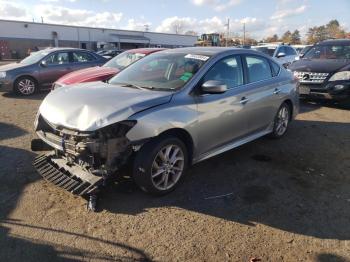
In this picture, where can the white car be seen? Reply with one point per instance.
(283, 54)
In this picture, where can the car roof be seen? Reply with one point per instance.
(203, 50)
(145, 50)
(335, 42)
(63, 49)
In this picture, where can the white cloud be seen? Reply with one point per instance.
(212, 25)
(283, 13)
(218, 5)
(137, 25)
(82, 17)
(10, 10)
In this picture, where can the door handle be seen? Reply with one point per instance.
(244, 100)
(277, 91)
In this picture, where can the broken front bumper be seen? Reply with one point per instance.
(71, 178)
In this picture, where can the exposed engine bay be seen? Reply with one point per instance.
(81, 162)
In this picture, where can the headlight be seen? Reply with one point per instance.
(345, 75)
(55, 86)
(2, 74)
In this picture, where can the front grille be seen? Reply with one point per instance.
(311, 77)
(61, 177)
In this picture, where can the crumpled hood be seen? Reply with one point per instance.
(97, 73)
(319, 65)
(11, 66)
(91, 106)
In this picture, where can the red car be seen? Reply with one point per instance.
(108, 70)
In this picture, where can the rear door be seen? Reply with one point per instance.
(55, 65)
(82, 59)
(262, 92)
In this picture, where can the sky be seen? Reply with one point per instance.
(262, 18)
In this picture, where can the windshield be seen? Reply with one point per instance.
(328, 52)
(161, 71)
(34, 57)
(266, 50)
(123, 60)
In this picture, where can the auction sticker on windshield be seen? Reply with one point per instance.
(197, 57)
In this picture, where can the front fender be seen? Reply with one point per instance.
(153, 122)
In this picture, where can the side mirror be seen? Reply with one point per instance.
(280, 55)
(43, 63)
(214, 87)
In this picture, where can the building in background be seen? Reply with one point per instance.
(18, 38)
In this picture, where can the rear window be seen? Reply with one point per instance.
(258, 68)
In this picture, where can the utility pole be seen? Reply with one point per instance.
(228, 30)
(42, 20)
(243, 33)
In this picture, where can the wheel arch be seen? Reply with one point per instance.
(291, 107)
(184, 136)
(26, 75)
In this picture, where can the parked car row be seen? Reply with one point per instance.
(284, 54)
(158, 116)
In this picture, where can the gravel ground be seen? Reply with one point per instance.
(286, 200)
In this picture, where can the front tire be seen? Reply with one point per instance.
(25, 86)
(281, 121)
(160, 165)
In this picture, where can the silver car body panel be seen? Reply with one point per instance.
(215, 122)
(90, 106)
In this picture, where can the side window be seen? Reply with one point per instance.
(258, 68)
(290, 51)
(281, 49)
(275, 69)
(82, 57)
(58, 59)
(228, 70)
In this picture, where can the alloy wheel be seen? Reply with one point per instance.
(282, 121)
(26, 86)
(167, 167)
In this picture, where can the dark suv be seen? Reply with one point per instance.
(324, 71)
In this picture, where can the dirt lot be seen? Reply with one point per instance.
(289, 200)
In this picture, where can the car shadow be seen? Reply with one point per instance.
(286, 184)
(10, 131)
(15, 176)
(311, 105)
(326, 257)
(37, 96)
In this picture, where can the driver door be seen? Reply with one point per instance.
(54, 66)
(221, 117)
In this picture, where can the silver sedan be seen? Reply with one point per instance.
(165, 112)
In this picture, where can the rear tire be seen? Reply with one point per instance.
(25, 86)
(281, 122)
(160, 165)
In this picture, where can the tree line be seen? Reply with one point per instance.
(315, 34)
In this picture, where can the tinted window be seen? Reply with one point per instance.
(83, 57)
(329, 52)
(58, 59)
(290, 51)
(258, 68)
(281, 49)
(228, 70)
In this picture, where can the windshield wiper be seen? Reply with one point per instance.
(132, 85)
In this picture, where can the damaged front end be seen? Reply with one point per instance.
(82, 161)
